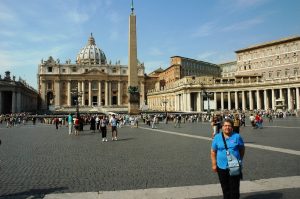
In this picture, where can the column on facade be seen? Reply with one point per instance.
(289, 99)
(90, 93)
(106, 93)
(250, 100)
(57, 92)
(222, 100)
(266, 100)
(184, 105)
(243, 101)
(99, 93)
(273, 99)
(200, 102)
(0, 102)
(236, 100)
(69, 93)
(79, 87)
(120, 94)
(229, 101)
(281, 93)
(13, 103)
(83, 93)
(298, 98)
(18, 108)
(43, 94)
(109, 93)
(258, 100)
(188, 101)
(215, 100)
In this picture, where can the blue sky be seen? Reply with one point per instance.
(208, 30)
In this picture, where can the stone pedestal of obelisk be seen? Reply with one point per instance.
(133, 84)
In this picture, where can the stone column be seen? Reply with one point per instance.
(69, 94)
(43, 95)
(120, 94)
(243, 101)
(90, 93)
(99, 93)
(13, 103)
(289, 102)
(83, 93)
(57, 92)
(18, 102)
(106, 93)
(222, 100)
(188, 99)
(298, 98)
(250, 100)
(236, 100)
(281, 93)
(258, 100)
(265, 100)
(273, 99)
(229, 101)
(109, 93)
(200, 102)
(184, 102)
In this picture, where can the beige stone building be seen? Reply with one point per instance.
(96, 81)
(266, 77)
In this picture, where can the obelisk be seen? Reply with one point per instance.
(133, 85)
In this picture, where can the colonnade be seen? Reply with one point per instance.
(246, 99)
(241, 99)
(90, 92)
(15, 101)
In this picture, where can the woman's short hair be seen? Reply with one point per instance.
(228, 121)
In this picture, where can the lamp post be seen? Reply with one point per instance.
(165, 101)
(77, 94)
(207, 94)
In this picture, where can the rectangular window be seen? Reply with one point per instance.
(63, 70)
(278, 73)
(49, 69)
(74, 69)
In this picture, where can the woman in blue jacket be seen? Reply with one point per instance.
(230, 184)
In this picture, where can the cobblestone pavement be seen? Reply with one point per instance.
(38, 160)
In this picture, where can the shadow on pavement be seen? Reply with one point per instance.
(33, 193)
(274, 195)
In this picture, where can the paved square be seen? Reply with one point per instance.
(39, 160)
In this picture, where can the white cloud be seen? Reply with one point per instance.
(150, 66)
(243, 25)
(206, 55)
(205, 30)
(155, 51)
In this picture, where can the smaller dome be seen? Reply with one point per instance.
(91, 54)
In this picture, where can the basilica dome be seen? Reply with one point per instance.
(91, 54)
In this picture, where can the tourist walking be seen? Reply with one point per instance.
(76, 126)
(93, 124)
(236, 123)
(230, 183)
(70, 123)
(154, 122)
(103, 128)
(113, 123)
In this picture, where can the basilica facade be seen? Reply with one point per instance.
(91, 81)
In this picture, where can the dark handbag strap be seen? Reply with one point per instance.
(224, 142)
